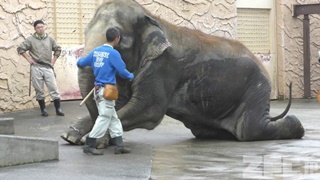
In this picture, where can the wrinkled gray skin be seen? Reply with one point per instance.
(215, 86)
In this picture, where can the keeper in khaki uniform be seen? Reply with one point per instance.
(40, 46)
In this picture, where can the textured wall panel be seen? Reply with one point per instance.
(16, 18)
(290, 48)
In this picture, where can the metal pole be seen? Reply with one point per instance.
(306, 56)
(30, 81)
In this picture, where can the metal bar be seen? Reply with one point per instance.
(30, 81)
(306, 56)
(301, 9)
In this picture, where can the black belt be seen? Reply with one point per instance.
(44, 64)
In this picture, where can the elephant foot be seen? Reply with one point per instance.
(101, 143)
(72, 136)
(287, 128)
(293, 127)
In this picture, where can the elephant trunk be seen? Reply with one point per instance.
(86, 83)
(134, 116)
(85, 75)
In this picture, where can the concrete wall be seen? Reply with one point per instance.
(17, 150)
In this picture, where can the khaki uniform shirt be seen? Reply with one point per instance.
(40, 48)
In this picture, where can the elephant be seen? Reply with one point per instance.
(214, 85)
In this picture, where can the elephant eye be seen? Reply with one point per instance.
(126, 41)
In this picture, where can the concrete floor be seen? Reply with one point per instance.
(171, 152)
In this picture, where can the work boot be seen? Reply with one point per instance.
(57, 106)
(119, 149)
(89, 147)
(43, 108)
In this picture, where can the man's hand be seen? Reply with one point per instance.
(32, 62)
(53, 60)
(28, 58)
(78, 52)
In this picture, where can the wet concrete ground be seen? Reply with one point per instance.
(171, 152)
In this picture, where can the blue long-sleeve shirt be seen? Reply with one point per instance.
(105, 62)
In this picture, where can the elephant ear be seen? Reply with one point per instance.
(154, 42)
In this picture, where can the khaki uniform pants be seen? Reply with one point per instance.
(42, 74)
(107, 119)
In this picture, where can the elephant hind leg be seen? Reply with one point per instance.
(253, 121)
(287, 128)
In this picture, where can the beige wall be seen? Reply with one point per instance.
(217, 17)
(290, 48)
(16, 18)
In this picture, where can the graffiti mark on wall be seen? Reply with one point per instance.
(265, 57)
(71, 54)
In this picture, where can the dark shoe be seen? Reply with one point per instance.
(58, 108)
(93, 151)
(89, 148)
(43, 108)
(120, 149)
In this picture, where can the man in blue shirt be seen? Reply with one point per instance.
(106, 62)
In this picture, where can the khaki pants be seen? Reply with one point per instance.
(107, 119)
(41, 74)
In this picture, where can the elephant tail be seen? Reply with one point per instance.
(287, 108)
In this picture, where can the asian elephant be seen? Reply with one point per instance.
(215, 86)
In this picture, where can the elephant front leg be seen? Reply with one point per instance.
(138, 115)
(74, 133)
(102, 142)
(147, 106)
